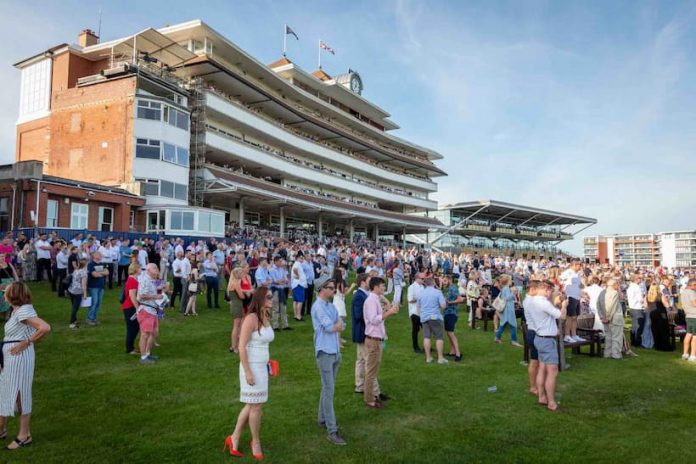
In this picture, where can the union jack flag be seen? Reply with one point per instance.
(323, 46)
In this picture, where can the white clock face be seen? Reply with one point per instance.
(355, 84)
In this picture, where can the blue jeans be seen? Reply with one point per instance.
(328, 369)
(96, 294)
(513, 331)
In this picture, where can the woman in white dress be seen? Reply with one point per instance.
(256, 334)
(339, 300)
(22, 330)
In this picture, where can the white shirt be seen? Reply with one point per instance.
(42, 254)
(544, 315)
(414, 293)
(298, 271)
(593, 292)
(181, 268)
(62, 260)
(142, 259)
(571, 283)
(528, 316)
(107, 257)
(634, 295)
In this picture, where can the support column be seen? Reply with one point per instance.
(351, 230)
(320, 225)
(376, 233)
(241, 212)
(404, 239)
(282, 222)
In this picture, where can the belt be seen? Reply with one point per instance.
(546, 336)
(374, 338)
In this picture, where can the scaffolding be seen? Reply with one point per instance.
(198, 145)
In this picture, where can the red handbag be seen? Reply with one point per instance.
(273, 368)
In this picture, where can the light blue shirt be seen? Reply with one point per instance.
(430, 302)
(125, 251)
(308, 269)
(324, 316)
(262, 275)
(277, 274)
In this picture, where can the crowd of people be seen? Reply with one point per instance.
(259, 273)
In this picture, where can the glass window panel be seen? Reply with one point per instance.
(167, 189)
(204, 221)
(180, 191)
(175, 220)
(169, 153)
(147, 151)
(217, 225)
(182, 155)
(182, 120)
(187, 222)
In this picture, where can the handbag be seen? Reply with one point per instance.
(86, 302)
(67, 280)
(499, 304)
(273, 368)
(193, 287)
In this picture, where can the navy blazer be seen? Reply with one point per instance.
(358, 321)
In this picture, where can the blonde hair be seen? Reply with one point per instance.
(504, 280)
(18, 294)
(653, 293)
(134, 268)
(237, 273)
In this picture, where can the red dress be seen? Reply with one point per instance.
(246, 287)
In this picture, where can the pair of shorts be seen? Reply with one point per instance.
(533, 352)
(547, 348)
(573, 307)
(450, 322)
(148, 322)
(298, 294)
(691, 326)
(433, 329)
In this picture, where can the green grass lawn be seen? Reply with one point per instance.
(95, 404)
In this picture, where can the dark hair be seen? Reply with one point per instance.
(376, 282)
(256, 306)
(362, 277)
(337, 277)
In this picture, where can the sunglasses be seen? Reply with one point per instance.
(330, 287)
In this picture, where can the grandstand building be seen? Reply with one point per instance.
(503, 227)
(212, 137)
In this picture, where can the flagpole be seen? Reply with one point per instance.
(319, 53)
(285, 39)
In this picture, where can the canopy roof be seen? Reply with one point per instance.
(509, 213)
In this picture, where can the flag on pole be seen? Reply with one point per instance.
(289, 31)
(324, 46)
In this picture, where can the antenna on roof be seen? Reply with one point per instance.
(100, 21)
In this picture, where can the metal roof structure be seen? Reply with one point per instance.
(498, 219)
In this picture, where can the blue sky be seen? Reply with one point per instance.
(586, 107)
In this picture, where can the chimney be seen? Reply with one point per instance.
(87, 37)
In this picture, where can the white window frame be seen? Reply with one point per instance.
(79, 219)
(52, 221)
(101, 222)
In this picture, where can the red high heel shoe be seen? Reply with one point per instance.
(228, 445)
(258, 457)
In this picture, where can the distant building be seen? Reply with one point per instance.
(669, 249)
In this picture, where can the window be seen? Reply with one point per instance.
(178, 118)
(149, 110)
(180, 191)
(166, 189)
(4, 214)
(169, 153)
(147, 148)
(217, 224)
(52, 213)
(182, 156)
(35, 89)
(181, 220)
(106, 219)
(149, 187)
(79, 212)
(203, 221)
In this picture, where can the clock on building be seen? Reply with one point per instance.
(356, 83)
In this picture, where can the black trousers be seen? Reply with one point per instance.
(53, 276)
(110, 267)
(41, 264)
(178, 290)
(415, 329)
(76, 300)
(213, 286)
(308, 300)
(122, 274)
(132, 329)
(58, 276)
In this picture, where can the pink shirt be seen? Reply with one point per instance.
(8, 250)
(372, 313)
